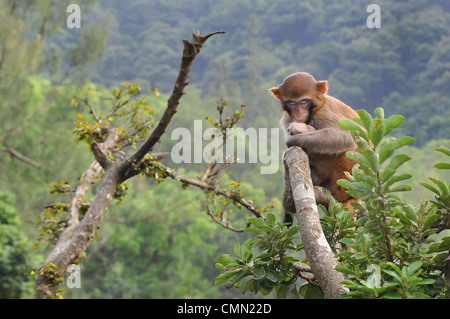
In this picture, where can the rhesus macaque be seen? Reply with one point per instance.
(309, 121)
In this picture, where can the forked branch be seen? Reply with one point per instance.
(73, 242)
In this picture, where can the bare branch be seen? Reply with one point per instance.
(21, 157)
(299, 267)
(190, 52)
(91, 110)
(206, 186)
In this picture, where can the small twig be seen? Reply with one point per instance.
(21, 157)
(207, 186)
(65, 206)
(300, 269)
(221, 222)
(92, 110)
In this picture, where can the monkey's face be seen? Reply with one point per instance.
(298, 109)
(299, 95)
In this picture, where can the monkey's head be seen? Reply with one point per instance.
(300, 95)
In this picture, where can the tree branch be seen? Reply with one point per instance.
(21, 157)
(190, 52)
(73, 242)
(317, 249)
(218, 191)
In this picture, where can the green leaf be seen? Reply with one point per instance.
(344, 183)
(379, 112)
(344, 270)
(411, 269)
(372, 159)
(251, 230)
(391, 295)
(386, 151)
(282, 291)
(221, 278)
(267, 284)
(225, 259)
(311, 292)
(350, 125)
(366, 119)
(400, 188)
(442, 165)
(431, 188)
(443, 150)
(347, 241)
(220, 266)
(393, 122)
(237, 249)
(247, 249)
(396, 178)
(265, 290)
(258, 273)
(393, 274)
(271, 219)
(356, 156)
(242, 274)
(377, 132)
(441, 185)
(247, 286)
(257, 222)
(403, 217)
(360, 187)
(386, 174)
(431, 219)
(425, 282)
(272, 275)
(398, 160)
(405, 140)
(292, 231)
(410, 212)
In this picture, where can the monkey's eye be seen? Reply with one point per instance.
(291, 103)
(302, 102)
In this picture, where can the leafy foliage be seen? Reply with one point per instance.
(264, 259)
(391, 250)
(16, 258)
(399, 250)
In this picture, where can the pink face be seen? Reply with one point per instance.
(299, 110)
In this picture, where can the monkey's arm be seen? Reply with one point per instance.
(327, 141)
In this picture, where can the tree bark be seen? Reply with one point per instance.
(320, 256)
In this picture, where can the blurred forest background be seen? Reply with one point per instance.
(159, 243)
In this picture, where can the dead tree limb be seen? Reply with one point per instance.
(191, 50)
(73, 242)
(317, 249)
(21, 157)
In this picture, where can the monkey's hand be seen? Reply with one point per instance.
(297, 128)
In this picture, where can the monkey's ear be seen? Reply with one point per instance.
(322, 86)
(275, 92)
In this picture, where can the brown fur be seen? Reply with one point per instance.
(327, 144)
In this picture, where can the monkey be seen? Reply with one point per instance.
(309, 121)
